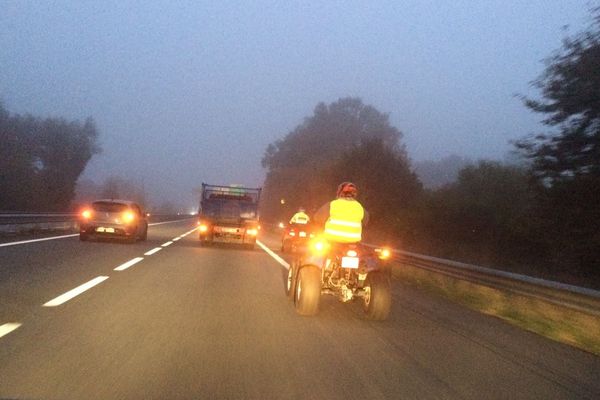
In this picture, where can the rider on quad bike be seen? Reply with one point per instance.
(337, 264)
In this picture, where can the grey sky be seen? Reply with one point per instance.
(185, 92)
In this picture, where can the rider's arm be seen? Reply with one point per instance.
(322, 215)
(365, 220)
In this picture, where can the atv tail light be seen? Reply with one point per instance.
(86, 214)
(351, 253)
(384, 253)
(319, 246)
(252, 232)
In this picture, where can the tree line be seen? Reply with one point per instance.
(540, 216)
(41, 160)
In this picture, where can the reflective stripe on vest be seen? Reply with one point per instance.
(345, 221)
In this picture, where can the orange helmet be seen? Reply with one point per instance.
(347, 189)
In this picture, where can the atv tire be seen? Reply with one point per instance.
(308, 290)
(378, 296)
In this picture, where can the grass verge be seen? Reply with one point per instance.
(552, 321)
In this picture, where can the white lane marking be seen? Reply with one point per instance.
(176, 239)
(63, 298)
(168, 222)
(8, 328)
(129, 263)
(272, 254)
(37, 240)
(154, 250)
(167, 244)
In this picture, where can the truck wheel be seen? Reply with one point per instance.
(308, 290)
(377, 299)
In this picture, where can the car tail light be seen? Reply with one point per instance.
(351, 253)
(292, 233)
(86, 214)
(302, 234)
(128, 216)
(203, 228)
(252, 231)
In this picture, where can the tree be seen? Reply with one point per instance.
(570, 87)
(299, 166)
(565, 164)
(41, 160)
(387, 186)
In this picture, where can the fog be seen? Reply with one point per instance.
(188, 92)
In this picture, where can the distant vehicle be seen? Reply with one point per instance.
(113, 219)
(295, 237)
(228, 214)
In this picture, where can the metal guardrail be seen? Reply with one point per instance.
(24, 218)
(573, 297)
(22, 223)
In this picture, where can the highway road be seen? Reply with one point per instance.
(187, 322)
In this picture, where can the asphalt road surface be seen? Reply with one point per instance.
(189, 322)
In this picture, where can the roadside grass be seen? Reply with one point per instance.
(558, 323)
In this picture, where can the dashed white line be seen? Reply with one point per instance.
(167, 222)
(63, 298)
(129, 263)
(272, 254)
(167, 244)
(154, 250)
(176, 239)
(8, 328)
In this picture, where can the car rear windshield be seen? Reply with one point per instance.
(109, 207)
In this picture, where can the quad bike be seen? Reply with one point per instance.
(346, 271)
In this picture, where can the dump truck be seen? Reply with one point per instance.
(228, 214)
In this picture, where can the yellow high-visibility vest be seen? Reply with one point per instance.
(299, 218)
(345, 221)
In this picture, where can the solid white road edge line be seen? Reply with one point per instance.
(272, 254)
(154, 250)
(167, 244)
(8, 328)
(37, 240)
(129, 263)
(63, 298)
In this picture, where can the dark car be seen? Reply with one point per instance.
(113, 219)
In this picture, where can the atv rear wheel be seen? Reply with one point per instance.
(377, 298)
(308, 290)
